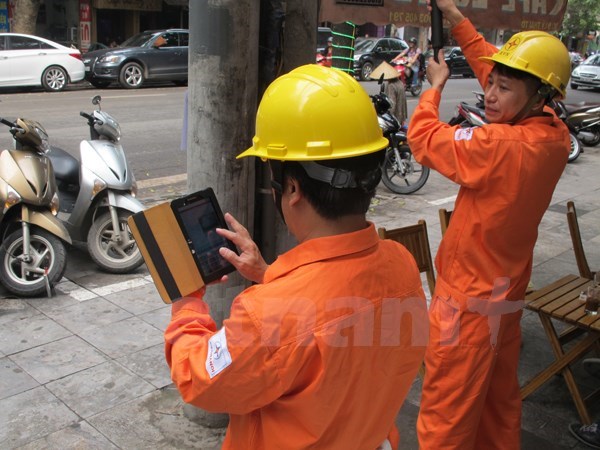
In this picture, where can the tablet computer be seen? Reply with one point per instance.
(199, 215)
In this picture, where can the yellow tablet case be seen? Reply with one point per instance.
(165, 252)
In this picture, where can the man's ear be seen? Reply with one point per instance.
(293, 191)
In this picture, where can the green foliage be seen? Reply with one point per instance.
(581, 17)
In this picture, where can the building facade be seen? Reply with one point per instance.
(82, 22)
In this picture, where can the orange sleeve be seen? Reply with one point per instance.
(464, 155)
(473, 46)
(227, 370)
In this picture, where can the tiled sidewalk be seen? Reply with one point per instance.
(85, 368)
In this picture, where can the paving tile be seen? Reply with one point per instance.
(100, 282)
(28, 332)
(79, 435)
(99, 388)
(159, 318)
(13, 379)
(138, 300)
(12, 309)
(90, 314)
(58, 359)
(31, 415)
(406, 422)
(124, 337)
(155, 421)
(150, 364)
(58, 301)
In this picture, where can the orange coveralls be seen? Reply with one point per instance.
(320, 355)
(507, 174)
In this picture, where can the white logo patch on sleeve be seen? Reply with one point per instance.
(463, 134)
(218, 357)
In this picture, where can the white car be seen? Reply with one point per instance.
(587, 73)
(27, 60)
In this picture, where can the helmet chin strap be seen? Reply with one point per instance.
(544, 92)
(277, 184)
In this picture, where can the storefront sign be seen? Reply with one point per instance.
(85, 24)
(136, 5)
(4, 26)
(515, 15)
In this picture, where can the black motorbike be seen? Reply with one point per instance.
(401, 173)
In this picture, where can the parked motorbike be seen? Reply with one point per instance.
(406, 74)
(401, 173)
(322, 60)
(470, 115)
(474, 116)
(582, 119)
(97, 194)
(33, 257)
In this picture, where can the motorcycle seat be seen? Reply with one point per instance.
(66, 166)
(474, 109)
(580, 106)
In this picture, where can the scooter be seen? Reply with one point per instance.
(474, 116)
(401, 173)
(582, 119)
(406, 74)
(33, 257)
(97, 194)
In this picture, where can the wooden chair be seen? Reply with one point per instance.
(582, 264)
(444, 219)
(416, 240)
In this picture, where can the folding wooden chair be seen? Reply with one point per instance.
(582, 264)
(444, 219)
(416, 240)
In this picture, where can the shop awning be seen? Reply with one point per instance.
(546, 15)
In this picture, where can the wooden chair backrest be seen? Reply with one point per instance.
(444, 219)
(582, 264)
(416, 241)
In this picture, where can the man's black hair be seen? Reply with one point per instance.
(331, 202)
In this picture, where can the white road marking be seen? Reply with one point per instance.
(162, 181)
(73, 290)
(119, 287)
(441, 201)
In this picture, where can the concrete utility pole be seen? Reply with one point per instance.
(222, 96)
(300, 33)
(223, 80)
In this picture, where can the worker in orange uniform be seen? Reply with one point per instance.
(507, 171)
(321, 352)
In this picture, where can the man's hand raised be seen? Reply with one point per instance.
(249, 263)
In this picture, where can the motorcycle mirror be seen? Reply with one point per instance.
(380, 83)
(96, 100)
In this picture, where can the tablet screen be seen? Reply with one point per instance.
(199, 215)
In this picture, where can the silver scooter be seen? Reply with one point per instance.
(33, 257)
(97, 194)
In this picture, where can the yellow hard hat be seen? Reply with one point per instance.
(315, 113)
(539, 54)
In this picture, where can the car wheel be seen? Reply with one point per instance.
(54, 79)
(132, 76)
(574, 86)
(365, 71)
(99, 84)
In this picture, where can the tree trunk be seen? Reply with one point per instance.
(25, 16)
